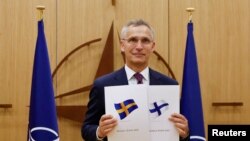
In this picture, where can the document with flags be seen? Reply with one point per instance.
(142, 112)
(129, 105)
(163, 101)
(42, 115)
(191, 102)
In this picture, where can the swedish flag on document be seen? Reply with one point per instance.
(125, 108)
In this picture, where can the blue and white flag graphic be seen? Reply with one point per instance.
(156, 109)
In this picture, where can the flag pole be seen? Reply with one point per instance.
(190, 11)
(40, 9)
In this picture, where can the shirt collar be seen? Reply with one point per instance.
(130, 73)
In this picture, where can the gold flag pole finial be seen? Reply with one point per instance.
(190, 11)
(40, 11)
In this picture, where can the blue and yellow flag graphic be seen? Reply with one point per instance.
(42, 115)
(125, 108)
(191, 102)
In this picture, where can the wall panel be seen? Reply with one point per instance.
(18, 31)
(222, 45)
(78, 22)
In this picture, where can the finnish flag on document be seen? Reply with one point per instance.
(157, 108)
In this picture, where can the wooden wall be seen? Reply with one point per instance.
(221, 34)
(18, 31)
(221, 30)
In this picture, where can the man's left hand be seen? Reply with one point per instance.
(181, 123)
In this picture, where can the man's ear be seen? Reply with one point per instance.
(122, 46)
(153, 47)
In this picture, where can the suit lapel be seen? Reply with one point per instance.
(121, 77)
(154, 78)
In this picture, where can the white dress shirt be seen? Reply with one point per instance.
(132, 80)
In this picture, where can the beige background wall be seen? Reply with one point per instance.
(221, 30)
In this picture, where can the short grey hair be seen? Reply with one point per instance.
(134, 23)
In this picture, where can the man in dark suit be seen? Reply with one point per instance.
(137, 43)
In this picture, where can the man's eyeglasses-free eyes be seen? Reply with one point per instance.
(134, 41)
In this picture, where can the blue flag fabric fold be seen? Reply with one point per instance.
(191, 102)
(42, 115)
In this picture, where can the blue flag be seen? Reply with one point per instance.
(191, 102)
(42, 114)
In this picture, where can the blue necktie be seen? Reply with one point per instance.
(138, 77)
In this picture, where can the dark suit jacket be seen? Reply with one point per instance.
(96, 105)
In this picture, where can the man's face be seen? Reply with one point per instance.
(137, 46)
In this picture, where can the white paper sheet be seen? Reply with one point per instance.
(166, 99)
(139, 123)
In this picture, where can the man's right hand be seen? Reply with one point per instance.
(106, 124)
